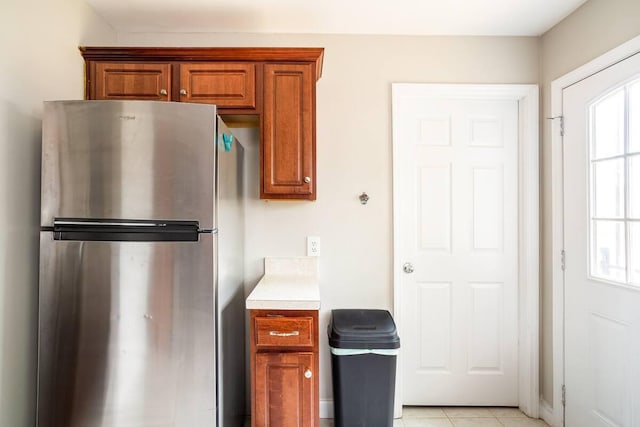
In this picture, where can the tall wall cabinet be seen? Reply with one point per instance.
(276, 86)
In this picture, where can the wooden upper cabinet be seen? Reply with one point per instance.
(288, 132)
(115, 80)
(231, 85)
(275, 85)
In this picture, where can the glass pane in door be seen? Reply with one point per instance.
(608, 250)
(634, 187)
(608, 126)
(608, 187)
(634, 118)
(634, 256)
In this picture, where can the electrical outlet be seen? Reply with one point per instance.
(313, 246)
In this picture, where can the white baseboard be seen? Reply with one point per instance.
(326, 408)
(546, 412)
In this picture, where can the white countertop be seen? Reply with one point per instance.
(287, 284)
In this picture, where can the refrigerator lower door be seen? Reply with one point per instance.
(126, 334)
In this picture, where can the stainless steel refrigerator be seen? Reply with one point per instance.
(141, 301)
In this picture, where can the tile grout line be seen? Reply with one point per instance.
(493, 416)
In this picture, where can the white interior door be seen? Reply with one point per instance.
(457, 231)
(601, 162)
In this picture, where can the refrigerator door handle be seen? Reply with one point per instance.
(107, 223)
(125, 230)
(208, 230)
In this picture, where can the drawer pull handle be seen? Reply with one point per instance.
(284, 334)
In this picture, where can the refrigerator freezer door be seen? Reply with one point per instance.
(128, 159)
(126, 334)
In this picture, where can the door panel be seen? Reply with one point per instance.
(458, 227)
(288, 135)
(150, 82)
(602, 291)
(288, 395)
(126, 334)
(228, 85)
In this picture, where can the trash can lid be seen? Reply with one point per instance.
(369, 329)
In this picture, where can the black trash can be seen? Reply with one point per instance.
(364, 346)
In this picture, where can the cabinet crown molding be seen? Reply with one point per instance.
(256, 54)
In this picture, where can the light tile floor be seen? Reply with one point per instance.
(428, 416)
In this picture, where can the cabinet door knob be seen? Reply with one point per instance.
(163, 92)
(307, 179)
(307, 374)
(183, 91)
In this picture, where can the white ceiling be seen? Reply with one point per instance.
(409, 17)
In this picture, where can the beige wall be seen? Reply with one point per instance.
(593, 29)
(40, 61)
(354, 152)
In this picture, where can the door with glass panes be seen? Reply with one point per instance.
(601, 164)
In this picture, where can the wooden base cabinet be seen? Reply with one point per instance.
(276, 85)
(284, 368)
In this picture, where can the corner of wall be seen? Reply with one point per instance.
(546, 412)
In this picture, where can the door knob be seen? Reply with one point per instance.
(407, 268)
(307, 179)
(307, 373)
(163, 92)
(183, 91)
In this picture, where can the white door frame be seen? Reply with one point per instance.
(602, 62)
(528, 213)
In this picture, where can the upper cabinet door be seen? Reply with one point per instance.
(288, 132)
(226, 84)
(116, 80)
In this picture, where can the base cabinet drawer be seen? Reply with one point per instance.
(284, 332)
